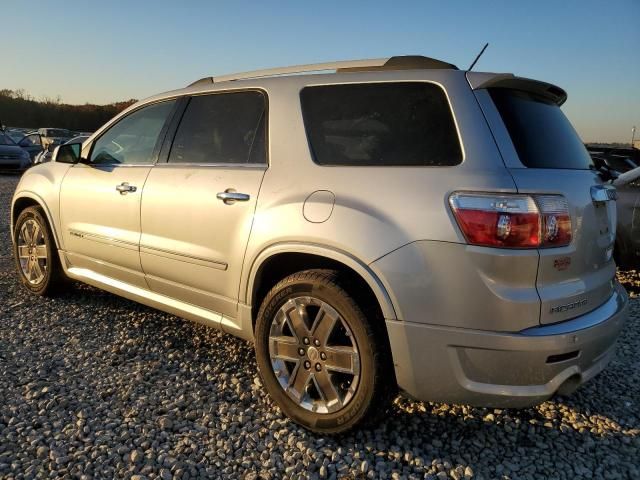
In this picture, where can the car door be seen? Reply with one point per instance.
(100, 197)
(197, 207)
(32, 144)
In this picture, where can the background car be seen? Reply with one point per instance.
(627, 249)
(12, 157)
(615, 154)
(32, 144)
(623, 160)
(54, 135)
(16, 134)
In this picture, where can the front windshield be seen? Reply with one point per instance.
(5, 139)
(15, 136)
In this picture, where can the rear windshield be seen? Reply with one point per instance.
(380, 124)
(541, 134)
(53, 132)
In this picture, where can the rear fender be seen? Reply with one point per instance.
(360, 268)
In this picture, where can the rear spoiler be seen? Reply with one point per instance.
(627, 177)
(478, 80)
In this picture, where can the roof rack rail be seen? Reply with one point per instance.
(406, 62)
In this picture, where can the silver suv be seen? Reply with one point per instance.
(397, 223)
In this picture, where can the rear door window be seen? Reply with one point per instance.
(540, 132)
(380, 124)
(222, 128)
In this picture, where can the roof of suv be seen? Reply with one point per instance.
(385, 66)
(405, 62)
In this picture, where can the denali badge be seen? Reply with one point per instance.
(569, 306)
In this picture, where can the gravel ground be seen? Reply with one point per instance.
(95, 386)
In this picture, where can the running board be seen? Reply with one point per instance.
(152, 299)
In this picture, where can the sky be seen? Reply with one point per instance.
(106, 51)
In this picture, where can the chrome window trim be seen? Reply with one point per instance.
(260, 166)
(91, 141)
(266, 113)
(116, 165)
(437, 83)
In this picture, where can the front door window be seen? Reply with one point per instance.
(133, 139)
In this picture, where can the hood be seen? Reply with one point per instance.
(10, 149)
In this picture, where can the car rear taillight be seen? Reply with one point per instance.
(512, 221)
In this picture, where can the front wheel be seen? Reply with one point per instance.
(35, 253)
(318, 356)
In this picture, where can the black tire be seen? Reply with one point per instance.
(376, 382)
(54, 278)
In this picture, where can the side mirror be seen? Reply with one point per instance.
(68, 153)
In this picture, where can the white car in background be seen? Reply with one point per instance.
(54, 135)
(45, 155)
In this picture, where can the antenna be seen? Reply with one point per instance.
(479, 55)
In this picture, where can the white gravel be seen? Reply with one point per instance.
(95, 386)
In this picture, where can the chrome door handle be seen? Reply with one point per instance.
(229, 197)
(125, 188)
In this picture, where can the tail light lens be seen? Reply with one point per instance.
(556, 222)
(512, 221)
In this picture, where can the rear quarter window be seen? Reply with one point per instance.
(541, 134)
(380, 124)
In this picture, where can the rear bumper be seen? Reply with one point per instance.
(458, 365)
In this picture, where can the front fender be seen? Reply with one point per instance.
(41, 184)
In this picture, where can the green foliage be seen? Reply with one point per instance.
(19, 109)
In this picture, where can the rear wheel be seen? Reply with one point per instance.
(318, 355)
(35, 253)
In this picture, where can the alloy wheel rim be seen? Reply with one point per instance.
(32, 251)
(314, 355)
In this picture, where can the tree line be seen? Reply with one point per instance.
(19, 109)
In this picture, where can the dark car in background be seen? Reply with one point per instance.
(627, 249)
(12, 157)
(16, 134)
(622, 161)
(41, 142)
(32, 144)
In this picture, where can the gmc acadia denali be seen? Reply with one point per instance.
(399, 223)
